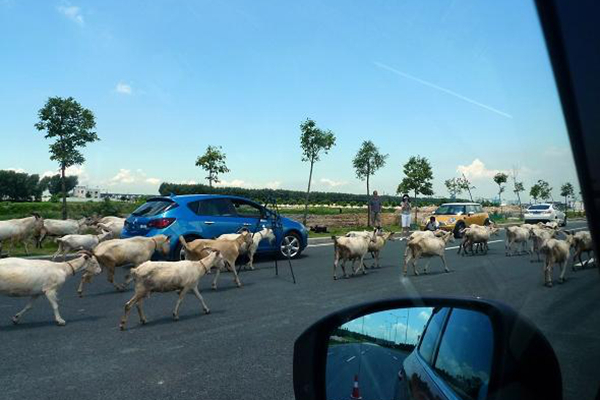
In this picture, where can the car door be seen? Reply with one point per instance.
(253, 217)
(213, 217)
(420, 380)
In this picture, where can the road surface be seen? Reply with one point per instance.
(244, 348)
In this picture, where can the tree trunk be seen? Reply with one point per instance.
(64, 192)
(520, 205)
(312, 163)
(416, 209)
(500, 198)
(210, 178)
(368, 203)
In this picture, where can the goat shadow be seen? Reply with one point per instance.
(168, 319)
(24, 325)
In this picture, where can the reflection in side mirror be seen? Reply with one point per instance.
(420, 352)
(425, 348)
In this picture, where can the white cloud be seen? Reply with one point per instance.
(123, 176)
(424, 315)
(153, 181)
(127, 176)
(19, 170)
(332, 183)
(73, 13)
(477, 170)
(74, 170)
(123, 88)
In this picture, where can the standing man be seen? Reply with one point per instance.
(375, 210)
(405, 215)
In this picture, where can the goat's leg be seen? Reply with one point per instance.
(548, 274)
(201, 299)
(251, 260)
(563, 268)
(26, 247)
(52, 298)
(214, 282)
(182, 293)
(58, 252)
(128, 307)
(415, 269)
(335, 264)
(443, 257)
(18, 315)
(343, 266)
(236, 279)
(362, 265)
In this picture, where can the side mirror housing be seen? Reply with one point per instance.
(331, 356)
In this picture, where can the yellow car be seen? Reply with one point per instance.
(457, 216)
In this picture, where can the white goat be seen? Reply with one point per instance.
(556, 252)
(70, 243)
(59, 228)
(538, 237)
(257, 237)
(158, 276)
(20, 230)
(351, 248)
(476, 235)
(230, 250)
(118, 252)
(115, 227)
(376, 245)
(21, 277)
(518, 235)
(426, 246)
(581, 242)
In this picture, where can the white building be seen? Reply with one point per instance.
(83, 192)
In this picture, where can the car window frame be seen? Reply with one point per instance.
(437, 339)
(261, 209)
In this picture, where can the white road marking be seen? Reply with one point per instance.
(320, 245)
(351, 358)
(583, 263)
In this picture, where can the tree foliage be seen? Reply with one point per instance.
(417, 178)
(19, 186)
(368, 160)
(567, 190)
(541, 190)
(72, 128)
(54, 183)
(454, 187)
(500, 178)
(313, 142)
(213, 161)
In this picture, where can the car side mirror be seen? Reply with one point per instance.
(470, 214)
(425, 348)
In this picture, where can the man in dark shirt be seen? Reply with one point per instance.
(375, 210)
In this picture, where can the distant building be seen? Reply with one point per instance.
(83, 192)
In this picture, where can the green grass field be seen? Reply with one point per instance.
(10, 210)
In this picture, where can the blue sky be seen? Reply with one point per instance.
(465, 83)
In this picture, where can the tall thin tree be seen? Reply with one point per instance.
(367, 161)
(313, 142)
(213, 161)
(72, 127)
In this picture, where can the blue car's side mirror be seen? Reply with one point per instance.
(425, 348)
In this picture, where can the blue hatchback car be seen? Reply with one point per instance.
(203, 216)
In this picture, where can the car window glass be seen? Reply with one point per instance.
(464, 359)
(216, 207)
(244, 209)
(153, 207)
(434, 326)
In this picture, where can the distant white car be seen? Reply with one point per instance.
(545, 213)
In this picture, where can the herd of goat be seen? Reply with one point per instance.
(539, 239)
(105, 250)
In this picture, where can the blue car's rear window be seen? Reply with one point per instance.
(154, 207)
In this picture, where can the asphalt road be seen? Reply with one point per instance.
(375, 366)
(244, 348)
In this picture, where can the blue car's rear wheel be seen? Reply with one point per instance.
(290, 243)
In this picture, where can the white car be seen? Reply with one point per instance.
(545, 213)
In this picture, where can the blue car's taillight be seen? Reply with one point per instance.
(160, 223)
